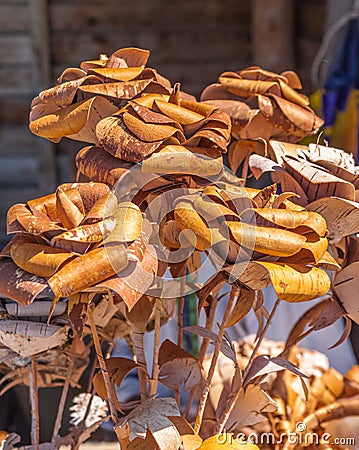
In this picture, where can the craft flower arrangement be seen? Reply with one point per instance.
(118, 253)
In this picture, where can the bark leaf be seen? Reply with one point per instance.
(88, 270)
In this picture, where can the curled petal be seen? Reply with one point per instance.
(133, 281)
(76, 121)
(109, 74)
(41, 260)
(19, 285)
(89, 233)
(21, 219)
(127, 225)
(291, 282)
(176, 159)
(64, 93)
(98, 165)
(128, 57)
(117, 140)
(270, 241)
(87, 270)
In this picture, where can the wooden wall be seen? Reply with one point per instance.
(192, 41)
(309, 30)
(27, 165)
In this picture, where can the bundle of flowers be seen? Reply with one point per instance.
(160, 221)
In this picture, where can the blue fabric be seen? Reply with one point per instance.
(332, 101)
(343, 76)
(344, 73)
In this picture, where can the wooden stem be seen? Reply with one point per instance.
(202, 352)
(137, 337)
(91, 376)
(294, 342)
(109, 350)
(62, 402)
(34, 400)
(180, 321)
(156, 349)
(231, 400)
(245, 168)
(76, 445)
(179, 341)
(214, 360)
(209, 325)
(89, 390)
(102, 364)
(261, 337)
(237, 378)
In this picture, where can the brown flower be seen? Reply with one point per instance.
(73, 241)
(96, 90)
(263, 104)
